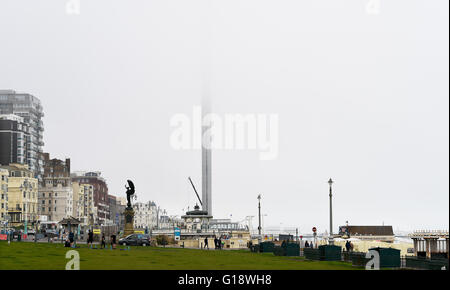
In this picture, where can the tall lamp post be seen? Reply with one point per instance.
(331, 242)
(259, 217)
(263, 229)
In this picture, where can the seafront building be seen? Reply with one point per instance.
(14, 140)
(22, 194)
(4, 173)
(145, 215)
(30, 137)
(101, 201)
(83, 199)
(55, 191)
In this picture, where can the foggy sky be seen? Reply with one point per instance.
(361, 98)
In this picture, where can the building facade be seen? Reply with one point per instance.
(55, 191)
(22, 194)
(83, 200)
(113, 213)
(14, 140)
(4, 174)
(101, 201)
(30, 109)
(145, 215)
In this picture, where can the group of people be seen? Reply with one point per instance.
(112, 240)
(69, 242)
(218, 243)
(309, 245)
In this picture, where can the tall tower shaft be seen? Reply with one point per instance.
(206, 154)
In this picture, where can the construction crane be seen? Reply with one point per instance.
(195, 190)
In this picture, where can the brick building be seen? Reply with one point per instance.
(55, 191)
(101, 200)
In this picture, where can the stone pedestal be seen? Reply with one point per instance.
(129, 221)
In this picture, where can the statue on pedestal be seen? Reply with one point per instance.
(129, 212)
(130, 192)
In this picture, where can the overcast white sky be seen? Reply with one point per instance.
(362, 98)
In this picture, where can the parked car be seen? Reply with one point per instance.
(51, 233)
(31, 232)
(135, 240)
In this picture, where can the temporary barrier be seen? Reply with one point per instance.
(389, 257)
(359, 259)
(266, 247)
(279, 251)
(292, 249)
(311, 254)
(330, 253)
(425, 263)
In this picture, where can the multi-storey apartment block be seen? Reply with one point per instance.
(30, 109)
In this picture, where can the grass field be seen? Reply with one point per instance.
(42, 256)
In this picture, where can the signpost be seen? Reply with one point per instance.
(177, 234)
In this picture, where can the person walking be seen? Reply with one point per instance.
(71, 238)
(306, 244)
(216, 243)
(90, 237)
(206, 243)
(113, 241)
(103, 242)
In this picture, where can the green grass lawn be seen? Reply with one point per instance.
(30, 256)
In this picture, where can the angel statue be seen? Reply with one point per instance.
(130, 192)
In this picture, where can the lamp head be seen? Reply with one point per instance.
(330, 182)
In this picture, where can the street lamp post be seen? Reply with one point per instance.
(263, 228)
(330, 182)
(259, 216)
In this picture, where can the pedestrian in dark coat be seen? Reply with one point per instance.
(71, 236)
(103, 241)
(90, 237)
(347, 246)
